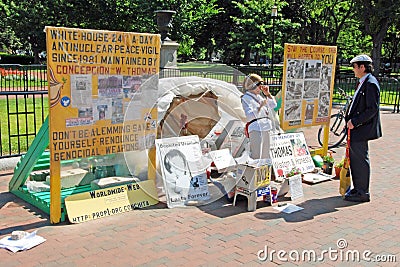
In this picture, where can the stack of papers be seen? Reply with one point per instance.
(27, 242)
(288, 208)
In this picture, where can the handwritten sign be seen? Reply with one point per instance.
(97, 80)
(222, 158)
(110, 201)
(288, 151)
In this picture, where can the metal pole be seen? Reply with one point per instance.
(274, 14)
(273, 44)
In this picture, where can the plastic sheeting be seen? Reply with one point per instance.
(228, 95)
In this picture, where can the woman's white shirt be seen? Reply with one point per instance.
(251, 103)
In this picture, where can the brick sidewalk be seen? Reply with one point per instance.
(219, 234)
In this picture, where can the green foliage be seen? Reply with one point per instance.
(377, 17)
(329, 158)
(294, 171)
(16, 59)
(340, 163)
(234, 29)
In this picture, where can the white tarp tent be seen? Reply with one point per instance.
(202, 102)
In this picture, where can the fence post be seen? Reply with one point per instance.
(235, 79)
(397, 101)
(396, 97)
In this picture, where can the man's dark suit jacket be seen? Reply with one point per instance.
(364, 113)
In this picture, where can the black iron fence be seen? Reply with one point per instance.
(24, 97)
(22, 115)
(23, 77)
(390, 88)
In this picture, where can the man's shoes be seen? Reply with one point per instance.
(355, 196)
(352, 192)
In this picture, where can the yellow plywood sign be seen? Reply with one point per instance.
(103, 86)
(96, 78)
(307, 85)
(110, 201)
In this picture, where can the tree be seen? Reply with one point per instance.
(194, 26)
(323, 22)
(253, 28)
(233, 28)
(8, 40)
(377, 17)
(30, 18)
(391, 44)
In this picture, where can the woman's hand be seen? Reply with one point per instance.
(263, 103)
(265, 90)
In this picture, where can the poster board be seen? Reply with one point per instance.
(102, 90)
(307, 85)
(183, 170)
(110, 201)
(94, 76)
(287, 151)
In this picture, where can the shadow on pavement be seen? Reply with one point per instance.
(223, 208)
(312, 208)
(8, 201)
(26, 227)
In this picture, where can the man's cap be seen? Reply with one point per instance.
(250, 82)
(361, 58)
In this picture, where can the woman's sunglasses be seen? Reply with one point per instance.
(260, 83)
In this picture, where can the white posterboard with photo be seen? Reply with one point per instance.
(183, 170)
(290, 150)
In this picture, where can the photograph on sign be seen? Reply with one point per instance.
(81, 90)
(183, 172)
(307, 85)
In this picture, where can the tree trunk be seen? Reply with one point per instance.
(376, 25)
(246, 58)
(376, 55)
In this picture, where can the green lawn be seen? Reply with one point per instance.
(24, 119)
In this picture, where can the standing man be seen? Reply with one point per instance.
(364, 123)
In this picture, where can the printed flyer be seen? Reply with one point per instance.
(183, 170)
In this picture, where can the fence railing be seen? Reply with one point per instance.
(390, 88)
(23, 77)
(24, 97)
(22, 115)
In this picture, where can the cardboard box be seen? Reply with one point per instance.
(253, 177)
